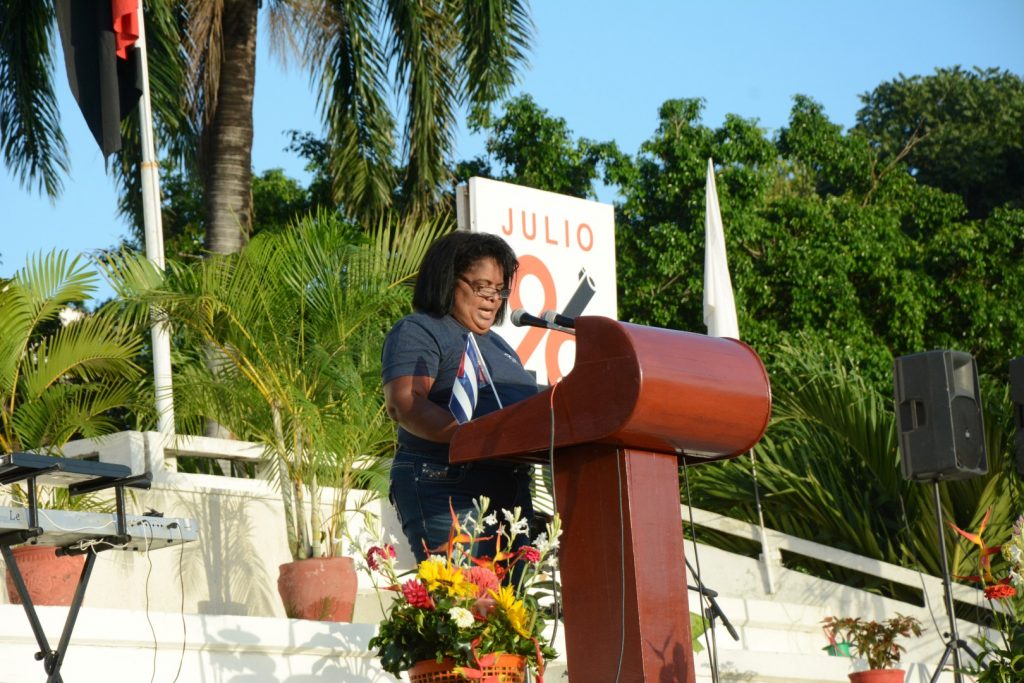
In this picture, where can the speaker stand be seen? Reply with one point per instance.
(954, 644)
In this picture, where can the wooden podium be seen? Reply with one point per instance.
(638, 400)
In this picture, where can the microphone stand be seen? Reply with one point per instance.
(713, 611)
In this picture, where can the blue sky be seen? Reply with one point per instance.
(605, 66)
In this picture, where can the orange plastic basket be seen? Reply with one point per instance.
(508, 669)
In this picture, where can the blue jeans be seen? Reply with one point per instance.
(422, 485)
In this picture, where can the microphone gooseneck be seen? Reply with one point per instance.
(559, 319)
(520, 317)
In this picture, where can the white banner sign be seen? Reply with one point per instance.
(566, 250)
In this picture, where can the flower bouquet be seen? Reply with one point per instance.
(466, 610)
(1000, 660)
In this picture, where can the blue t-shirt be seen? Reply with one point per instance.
(425, 345)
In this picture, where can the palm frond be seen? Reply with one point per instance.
(423, 43)
(30, 134)
(60, 379)
(495, 42)
(348, 71)
(85, 349)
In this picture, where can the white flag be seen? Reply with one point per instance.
(719, 305)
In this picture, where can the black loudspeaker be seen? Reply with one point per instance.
(1017, 397)
(938, 416)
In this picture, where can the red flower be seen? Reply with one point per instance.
(531, 555)
(384, 553)
(1000, 591)
(416, 594)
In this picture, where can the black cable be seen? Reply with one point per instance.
(622, 569)
(181, 582)
(917, 563)
(557, 606)
(712, 645)
(149, 572)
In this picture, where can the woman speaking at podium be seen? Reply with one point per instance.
(461, 292)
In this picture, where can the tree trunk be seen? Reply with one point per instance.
(227, 138)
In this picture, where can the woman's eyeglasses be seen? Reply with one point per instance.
(486, 291)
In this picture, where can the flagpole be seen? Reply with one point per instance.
(154, 236)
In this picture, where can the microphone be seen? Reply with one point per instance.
(559, 319)
(520, 318)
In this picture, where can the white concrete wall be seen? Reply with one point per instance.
(133, 646)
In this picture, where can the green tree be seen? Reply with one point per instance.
(535, 149)
(824, 235)
(957, 130)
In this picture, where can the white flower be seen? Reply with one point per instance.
(462, 617)
(440, 559)
(517, 525)
(544, 545)
(491, 520)
(1014, 554)
(1016, 579)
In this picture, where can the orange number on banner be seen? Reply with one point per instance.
(531, 266)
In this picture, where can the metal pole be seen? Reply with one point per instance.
(765, 550)
(154, 235)
(954, 639)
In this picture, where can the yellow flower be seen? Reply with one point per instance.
(513, 608)
(442, 576)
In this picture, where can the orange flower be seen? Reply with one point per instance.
(986, 552)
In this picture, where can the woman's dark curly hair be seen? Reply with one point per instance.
(450, 257)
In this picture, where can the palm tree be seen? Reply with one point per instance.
(60, 379)
(296, 321)
(436, 56)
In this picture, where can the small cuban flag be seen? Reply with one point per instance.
(470, 377)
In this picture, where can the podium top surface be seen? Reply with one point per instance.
(635, 387)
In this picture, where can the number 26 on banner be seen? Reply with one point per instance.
(531, 266)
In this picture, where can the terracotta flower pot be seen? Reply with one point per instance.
(50, 579)
(878, 676)
(320, 588)
(507, 668)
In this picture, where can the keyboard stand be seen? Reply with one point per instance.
(79, 476)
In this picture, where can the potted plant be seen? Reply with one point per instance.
(462, 616)
(62, 373)
(876, 642)
(287, 337)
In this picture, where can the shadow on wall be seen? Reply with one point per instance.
(234, 568)
(233, 656)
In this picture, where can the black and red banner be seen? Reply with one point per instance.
(104, 67)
